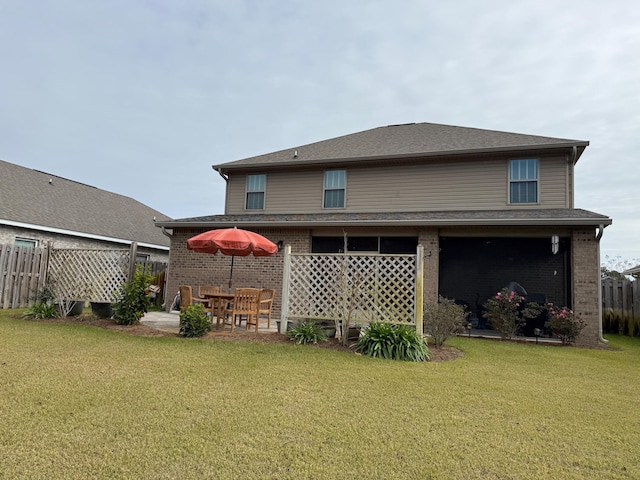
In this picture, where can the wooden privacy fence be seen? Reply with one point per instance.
(22, 274)
(363, 287)
(621, 306)
(92, 275)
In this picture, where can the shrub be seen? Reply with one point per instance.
(307, 332)
(394, 342)
(564, 324)
(42, 310)
(133, 299)
(507, 312)
(194, 321)
(444, 319)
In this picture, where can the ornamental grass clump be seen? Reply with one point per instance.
(194, 321)
(42, 310)
(564, 324)
(307, 332)
(394, 342)
(508, 313)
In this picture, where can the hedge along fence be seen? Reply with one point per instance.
(79, 274)
(621, 306)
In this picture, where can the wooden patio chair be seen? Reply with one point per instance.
(266, 304)
(246, 302)
(187, 298)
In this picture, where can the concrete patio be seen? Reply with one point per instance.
(170, 322)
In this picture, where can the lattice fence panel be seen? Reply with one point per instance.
(91, 275)
(366, 287)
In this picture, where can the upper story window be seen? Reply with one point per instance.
(334, 186)
(256, 186)
(523, 181)
(26, 242)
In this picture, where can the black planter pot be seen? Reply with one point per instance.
(76, 308)
(101, 309)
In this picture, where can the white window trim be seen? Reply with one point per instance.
(510, 182)
(247, 192)
(324, 189)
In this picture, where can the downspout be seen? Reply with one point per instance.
(225, 177)
(165, 233)
(600, 337)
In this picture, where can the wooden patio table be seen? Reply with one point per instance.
(217, 299)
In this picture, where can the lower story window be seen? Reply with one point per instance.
(397, 245)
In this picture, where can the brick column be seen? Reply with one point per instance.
(429, 239)
(586, 283)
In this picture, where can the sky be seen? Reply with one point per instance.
(142, 97)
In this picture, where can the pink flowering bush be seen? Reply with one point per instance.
(507, 313)
(564, 324)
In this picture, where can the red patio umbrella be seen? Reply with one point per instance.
(232, 241)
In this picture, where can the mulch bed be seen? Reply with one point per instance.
(438, 354)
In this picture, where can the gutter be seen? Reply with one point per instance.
(388, 222)
(599, 283)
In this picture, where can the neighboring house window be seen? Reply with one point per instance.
(256, 185)
(334, 186)
(142, 257)
(523, 181)
(26, 242)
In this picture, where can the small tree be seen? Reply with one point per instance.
(444, 319)
(348, 290)
(133, 299)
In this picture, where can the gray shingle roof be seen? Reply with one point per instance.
(27, 196)
(516, 217)
(405, 141)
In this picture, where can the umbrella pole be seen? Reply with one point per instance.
(231, 274)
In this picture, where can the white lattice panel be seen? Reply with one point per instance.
(91, 275)
(369, 287)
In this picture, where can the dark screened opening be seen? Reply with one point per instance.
(388, 245)
(474, 269)
(398, 244)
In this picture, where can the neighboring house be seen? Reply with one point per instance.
(38, 207)
(633, 271)
(489, 208)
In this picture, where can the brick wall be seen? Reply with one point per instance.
(586, 282)
(192, 268)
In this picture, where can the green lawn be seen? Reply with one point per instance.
(81, 402)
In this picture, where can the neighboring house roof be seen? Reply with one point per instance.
(632, 271)
(406, 141)
(524, 217)
(41, 201)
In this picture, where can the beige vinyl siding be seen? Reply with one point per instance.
(445, 185)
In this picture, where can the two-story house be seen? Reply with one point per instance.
(488, 207)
